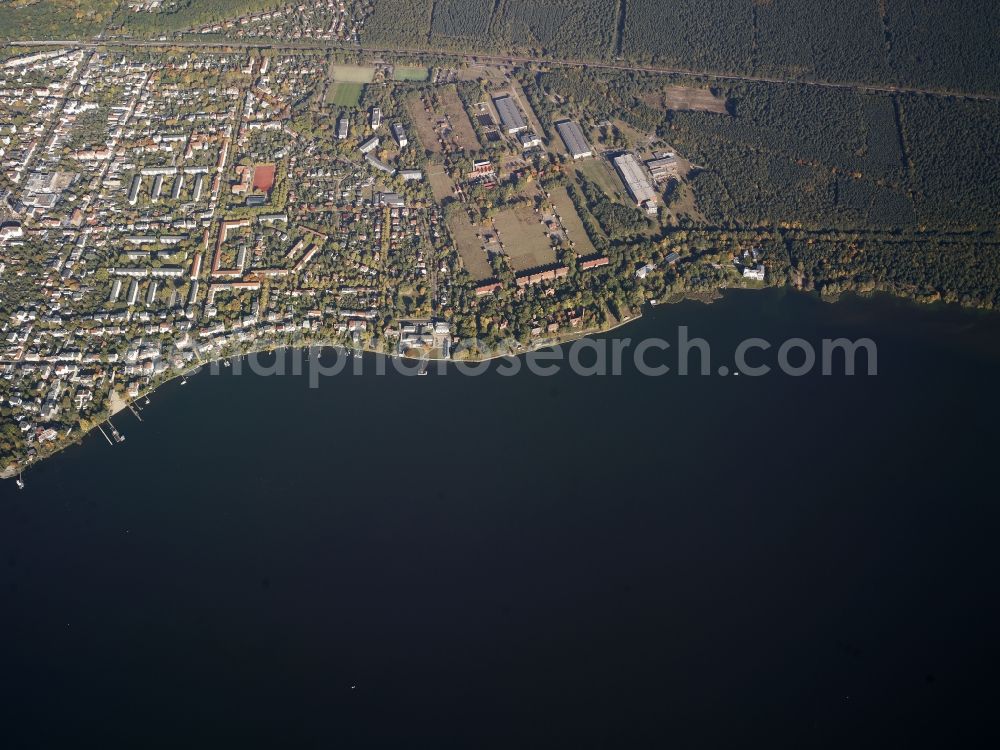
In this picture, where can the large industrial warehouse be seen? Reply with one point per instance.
(636, 182)
(510, 114)
(572, 136)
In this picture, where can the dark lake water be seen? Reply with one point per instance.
(528, 561)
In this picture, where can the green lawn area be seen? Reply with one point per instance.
(470, 247)
(599, 171)
(524, 239)
(410, 73)
(344, 94)
(352, 73)
(571, 221)
(348, 83)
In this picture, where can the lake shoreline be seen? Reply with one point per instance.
(118, 403)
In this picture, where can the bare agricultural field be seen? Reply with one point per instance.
(688, 98)
(476, 71)
(462, 131)
(571, 221)
(424, 123)
(524, 238)
(470, 247)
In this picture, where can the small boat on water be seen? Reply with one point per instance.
(20, 482)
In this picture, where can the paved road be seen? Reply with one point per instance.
(504, 59)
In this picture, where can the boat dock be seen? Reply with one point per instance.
(119, 438)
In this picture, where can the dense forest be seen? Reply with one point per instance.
(914, 43)
(403, 22)
(53, 19)
(964, 270)
(466, 19)
(572, 28)
(836, 159)
(918, 43)
(818, 157)
(711, 35)
(560, 28)
(954, 149)
(187, 14)
(945, 45)
(925, 44)
(824, 39)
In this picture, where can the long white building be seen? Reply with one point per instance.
(636, 182)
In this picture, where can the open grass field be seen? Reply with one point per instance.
(441, 185)
(686, 205)
(424, 122)
(695, 100)
(637, 137)
(475, 71)
(345, 94)
(462, 131)
(410, 73)
(571, 222)
(470, 248)
(524, 239)
(352, 73)
(601, 173)
(347, 84)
